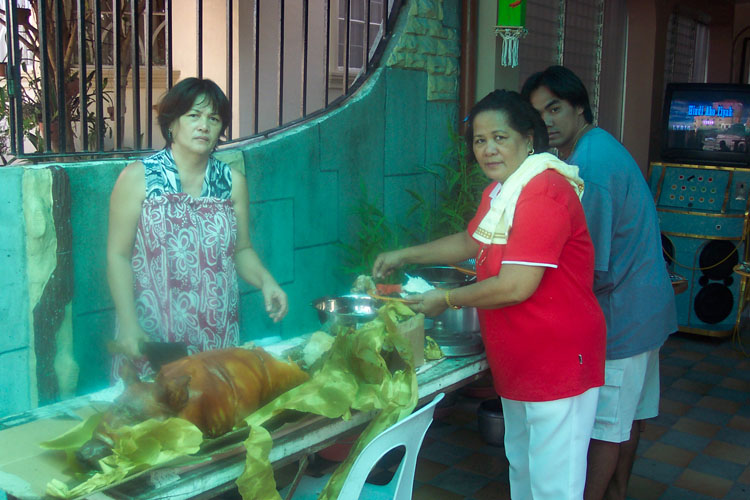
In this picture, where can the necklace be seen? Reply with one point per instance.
(579, 134)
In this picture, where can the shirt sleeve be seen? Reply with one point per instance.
(597, 205)
(541, 226)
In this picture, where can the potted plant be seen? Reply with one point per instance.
(462, 183)
(373, 236)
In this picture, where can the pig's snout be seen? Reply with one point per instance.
(92, 451)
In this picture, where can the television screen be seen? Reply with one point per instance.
(707, 123)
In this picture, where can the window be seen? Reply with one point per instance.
(567, 32)
(583, 41)
(23, 11)
(687, 49)
(357, 30)
(541, 46)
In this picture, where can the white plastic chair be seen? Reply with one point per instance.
(409, 433)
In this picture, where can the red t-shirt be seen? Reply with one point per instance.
(552, 345)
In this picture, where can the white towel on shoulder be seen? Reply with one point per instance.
(496, 223)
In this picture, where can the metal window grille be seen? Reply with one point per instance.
(567, 32)
(107, 63)
(583, 43)
(540, 47)
(687, 55)
(363, 25)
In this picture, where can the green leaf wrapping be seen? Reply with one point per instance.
(355, 376)
(75, 437)
(137, 447)
(263, 485)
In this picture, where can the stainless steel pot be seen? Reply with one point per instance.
(491, 422)
(462, 320)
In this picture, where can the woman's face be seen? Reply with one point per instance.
(198, 130)
(498, 148)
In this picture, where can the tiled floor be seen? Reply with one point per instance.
(698, 448)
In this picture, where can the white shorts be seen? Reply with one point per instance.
(546, 444)
(630, 392)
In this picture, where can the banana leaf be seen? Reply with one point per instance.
(138, 447)
(75, 437)
(355, 376)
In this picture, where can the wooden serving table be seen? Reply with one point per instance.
(25, 471)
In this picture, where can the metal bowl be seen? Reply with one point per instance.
(346, 309)
(444, 276)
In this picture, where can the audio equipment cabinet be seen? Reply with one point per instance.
(703, 216)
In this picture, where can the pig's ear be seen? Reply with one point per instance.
(129, 373)
(175, 392)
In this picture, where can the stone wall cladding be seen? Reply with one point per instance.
(426, 44)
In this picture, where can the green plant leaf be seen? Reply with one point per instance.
(461, 185)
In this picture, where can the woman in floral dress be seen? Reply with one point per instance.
(178, 235)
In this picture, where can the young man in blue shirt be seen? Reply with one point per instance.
(631, 280)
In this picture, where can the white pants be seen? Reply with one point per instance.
(547, 444)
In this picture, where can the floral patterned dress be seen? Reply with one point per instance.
(185, 282)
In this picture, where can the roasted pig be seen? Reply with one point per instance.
(215, 390)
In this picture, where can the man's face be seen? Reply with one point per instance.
(562, 119)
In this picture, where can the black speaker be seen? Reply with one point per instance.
(709, 305)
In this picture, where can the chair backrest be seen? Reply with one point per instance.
(409, 433)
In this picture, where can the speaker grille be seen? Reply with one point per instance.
(717, 259)
(713, 303)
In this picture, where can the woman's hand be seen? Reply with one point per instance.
(430, 303)
(246, 259)
(277, 304)
(129, 339)
(386, 262)
(447, 250)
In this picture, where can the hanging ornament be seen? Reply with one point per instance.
(511, 20)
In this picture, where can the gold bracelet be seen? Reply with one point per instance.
(448, 300)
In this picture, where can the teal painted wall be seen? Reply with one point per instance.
(303, 184)
(15, 352)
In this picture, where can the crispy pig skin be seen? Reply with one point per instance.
(216, 390)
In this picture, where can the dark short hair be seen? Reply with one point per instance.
(564, 84)
(521, 116)
(180, 98)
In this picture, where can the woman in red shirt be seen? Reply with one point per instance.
(542, 327)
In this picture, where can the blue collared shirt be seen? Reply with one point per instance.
(631, 280)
